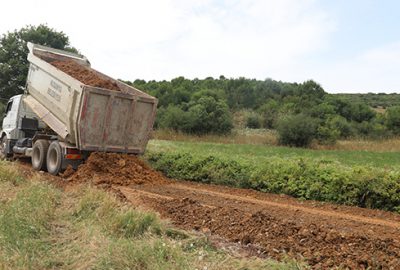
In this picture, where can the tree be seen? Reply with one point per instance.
(393, 119)
(253, 120)
(269, 112)
(208, 115)
(297, 130)
(13, 53)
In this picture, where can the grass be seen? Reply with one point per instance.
(42, 227)
(257, 154)
(237, 136)
(358, 178)
(267, 137)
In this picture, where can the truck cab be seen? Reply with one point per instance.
(19, 122)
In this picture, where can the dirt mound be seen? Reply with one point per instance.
(116, 169)
(85, 75)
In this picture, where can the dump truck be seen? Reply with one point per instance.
(60, 120)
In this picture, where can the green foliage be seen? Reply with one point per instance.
(393, 119)
(269, 113)
(321, 180)
(25, 226)
(253, 121)
(13, 55)
(297, 130)
(327, 134)
(380, 100)
(340, 124)
(272, 100)
(204, 115)
(208, 115)
(172, 118)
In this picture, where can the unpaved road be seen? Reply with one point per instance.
(324, 235)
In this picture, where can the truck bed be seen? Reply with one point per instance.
(86, 113)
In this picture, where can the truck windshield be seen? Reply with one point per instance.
(9, 105)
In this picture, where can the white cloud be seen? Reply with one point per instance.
(373, 70)
(162, 39)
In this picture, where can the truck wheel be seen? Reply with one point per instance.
(54, 158)
(39, 154)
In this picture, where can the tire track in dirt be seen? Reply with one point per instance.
(324, 238)
(316, 212)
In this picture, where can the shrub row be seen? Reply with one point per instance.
(302, 178)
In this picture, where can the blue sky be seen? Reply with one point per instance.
(347, 46)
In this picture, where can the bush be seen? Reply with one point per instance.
(340, 124)
(172, 118)
(269, 112)
(393, 119)
(297, 130)
(327, 135)
(322, 180)
(253, 121)
(207, 115)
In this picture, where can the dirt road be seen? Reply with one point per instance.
(323, 235)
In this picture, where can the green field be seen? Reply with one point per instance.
(257, 154)
(359, 178)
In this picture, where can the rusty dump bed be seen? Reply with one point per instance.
(85, 107)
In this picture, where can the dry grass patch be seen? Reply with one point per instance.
(239, 136)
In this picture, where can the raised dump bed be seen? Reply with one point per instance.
(85, 107)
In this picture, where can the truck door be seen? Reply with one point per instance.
(10, 118)
(8, 115)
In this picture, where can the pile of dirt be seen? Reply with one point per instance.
(106, 169)
(85, 75)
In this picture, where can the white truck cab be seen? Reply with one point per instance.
(15, 111)
(19, 122)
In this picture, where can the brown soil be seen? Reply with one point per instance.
(115, 169)
(324, 235)
(85, 75)
(266, 225)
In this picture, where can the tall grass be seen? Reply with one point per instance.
(237, 136)
(25, 227)
(85, 228)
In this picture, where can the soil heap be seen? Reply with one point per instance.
(116, 169)
(85, 74)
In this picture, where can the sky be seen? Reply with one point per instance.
(348, 46)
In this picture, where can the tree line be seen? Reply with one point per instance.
(300, 112)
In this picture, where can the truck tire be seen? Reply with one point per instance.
(54, 158)
(39, 154)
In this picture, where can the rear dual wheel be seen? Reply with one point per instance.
(39, 155)
(47, 156)
(54, 158)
